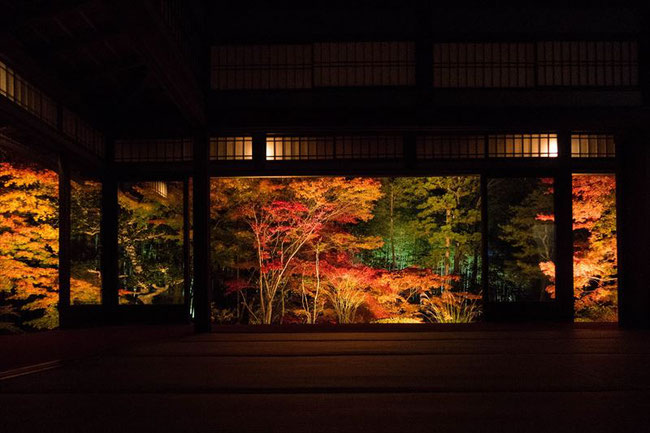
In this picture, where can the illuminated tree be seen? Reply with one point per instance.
(449, 217)
(595, 254)
(594, 258)
(29, 244)
(308, 250)
(150, 235)
(85, 210)
(411, 288)
(347, 289)
(529, 236)
(283, 229)
(451, 307)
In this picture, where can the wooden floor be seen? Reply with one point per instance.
(503, 380)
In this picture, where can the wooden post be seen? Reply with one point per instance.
(484, 247)
(64, 238)
(187, 245)
(410, 151)
(201, 199)
(563, 203)
(633, 234)
(109, 238)
(259, 151)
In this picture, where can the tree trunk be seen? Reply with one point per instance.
(282, 309)
(315, 309)
(456, 268)
(474, 274)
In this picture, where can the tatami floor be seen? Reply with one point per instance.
(504, 379)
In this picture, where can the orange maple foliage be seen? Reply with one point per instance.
(595, 254)
(29, 242)
(29, 246)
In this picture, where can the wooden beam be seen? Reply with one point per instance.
(102, 71)
(77, 44)
(28, 13)
(42, 138)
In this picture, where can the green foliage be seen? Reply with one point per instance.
(85, 218)
(448, 219)
(150, 240)
(532, 239)
(522, 236)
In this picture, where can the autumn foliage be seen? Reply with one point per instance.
(594, 258)
(594, 244)
(29, 246)
(306, 250)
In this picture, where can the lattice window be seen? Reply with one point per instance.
(288, 148)
(369, 147)
(231, 148)
(158, 187)
(167, 150)
(330, 147)
(592, 146)
(522, 145)
(301, 66)
(587, 63)
(495, 64)
(80, 131)
(28, 97)
(261, 67)
(19, 91)
(364, 64)
(450, 146)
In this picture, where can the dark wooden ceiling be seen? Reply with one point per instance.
(106, 55)
(259, 20)
(120, 68)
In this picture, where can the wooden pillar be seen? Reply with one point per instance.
(259, 151)
(424, 64)
(485, 270)
(64, 238)
(187, 245)
(633, 231)
(410, 151)
(201, 247)
(108, 238)
(563, 204)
